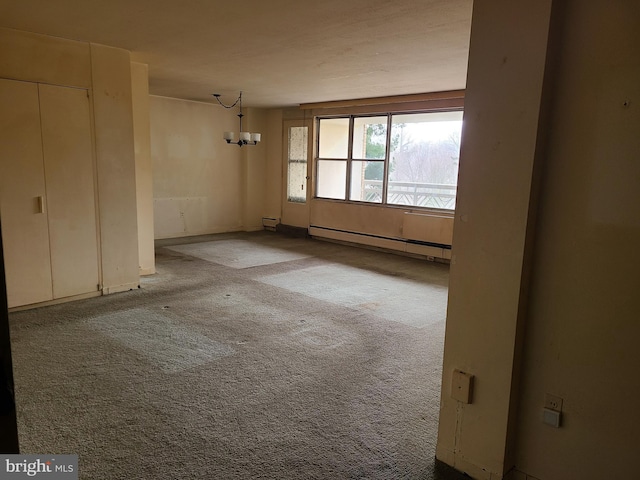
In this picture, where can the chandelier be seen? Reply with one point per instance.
(243, 138)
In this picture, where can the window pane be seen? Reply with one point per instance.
(366, 181)
(423, 168)
(297, 173)
(332, 179)
(369, 137)
(334, 138)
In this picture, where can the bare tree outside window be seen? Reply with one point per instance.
(424, 162)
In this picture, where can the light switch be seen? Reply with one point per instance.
(551, 417)
(462, 386)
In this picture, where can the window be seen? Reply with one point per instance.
(396, 159)
(297, 164)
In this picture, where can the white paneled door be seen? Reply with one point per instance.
(69, 178)
(47, 193)
(25, 228)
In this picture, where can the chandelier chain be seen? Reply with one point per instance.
(239, 99)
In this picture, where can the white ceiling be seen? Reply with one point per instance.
(279, 52)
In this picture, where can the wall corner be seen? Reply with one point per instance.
(116, 169)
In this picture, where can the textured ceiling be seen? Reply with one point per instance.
(279, 52)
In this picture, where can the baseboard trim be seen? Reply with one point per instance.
(120, 288)
(56, 301)
(463, 465)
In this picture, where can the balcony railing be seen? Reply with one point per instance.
(416, 194)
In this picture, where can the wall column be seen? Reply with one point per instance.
(144, 174)
(493, 225)
(115, 158)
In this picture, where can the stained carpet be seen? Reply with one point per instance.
(246, 356)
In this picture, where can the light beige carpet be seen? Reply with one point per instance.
(248, 356)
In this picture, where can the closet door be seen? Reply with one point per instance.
(25, 231)
(69, 177)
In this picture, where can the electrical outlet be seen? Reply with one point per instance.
(552, 402)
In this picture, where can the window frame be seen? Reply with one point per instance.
(386, 161)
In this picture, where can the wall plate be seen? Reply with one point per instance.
(552, 402)
(462, 386)
(551, 417)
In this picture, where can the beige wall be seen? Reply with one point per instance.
(39, 58)
(106, 73)
(198, 180)
(554, 273)
(273, 175)
(144, 175)
(389, 222)
(255, 170)
(583, 326)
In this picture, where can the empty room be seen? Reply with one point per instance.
(291, 240)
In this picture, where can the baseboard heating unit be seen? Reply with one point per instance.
(416, 247)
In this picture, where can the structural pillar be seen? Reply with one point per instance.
(492, 233)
